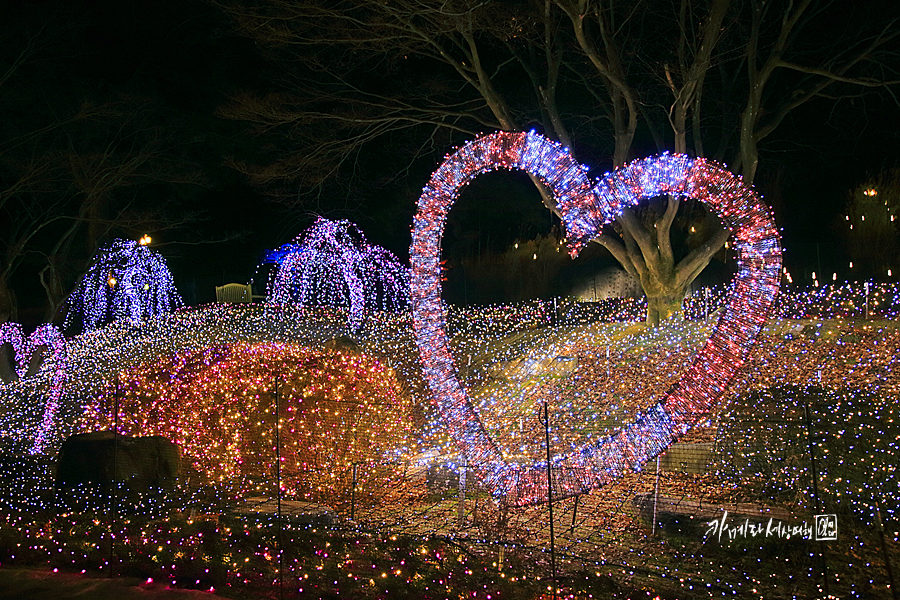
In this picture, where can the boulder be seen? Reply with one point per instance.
(140, 464)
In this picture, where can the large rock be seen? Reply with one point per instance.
(102, 458)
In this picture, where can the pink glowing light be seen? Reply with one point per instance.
(25, 351)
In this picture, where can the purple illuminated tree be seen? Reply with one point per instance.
(127, 280)
(332, 264)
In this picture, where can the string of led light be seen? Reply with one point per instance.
(585, 210)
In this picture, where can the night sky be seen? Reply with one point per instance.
(183, 59)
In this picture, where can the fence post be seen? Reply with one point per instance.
(461, 507)
(278, 491)
(815, 482)
(353, 495)
(655, 496)
(114, 500)
(884, 550)
(550, 500)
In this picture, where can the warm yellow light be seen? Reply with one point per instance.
(145, 240)
(870, 192)
(111, 281)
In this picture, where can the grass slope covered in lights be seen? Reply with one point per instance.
(762, 459)
(488, 342)
(221, 406)
(94, 358)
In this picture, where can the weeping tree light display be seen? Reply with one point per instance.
(332, 264)
(586, 207)
(127, 280)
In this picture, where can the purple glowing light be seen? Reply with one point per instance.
(332, 264)
(127, 280)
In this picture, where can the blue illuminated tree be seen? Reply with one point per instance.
(127, 280)
(332, 264)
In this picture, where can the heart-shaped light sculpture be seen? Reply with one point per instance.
(24, 349)
(585, 208)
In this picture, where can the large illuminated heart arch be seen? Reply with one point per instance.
(585, 208)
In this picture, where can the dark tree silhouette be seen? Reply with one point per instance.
(709, 78)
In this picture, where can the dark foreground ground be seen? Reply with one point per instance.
(35, 584)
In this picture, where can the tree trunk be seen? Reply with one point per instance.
(51, 280)
(665, 294)
(8, 304)
(663, 307)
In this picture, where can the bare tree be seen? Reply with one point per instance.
(357, 72)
